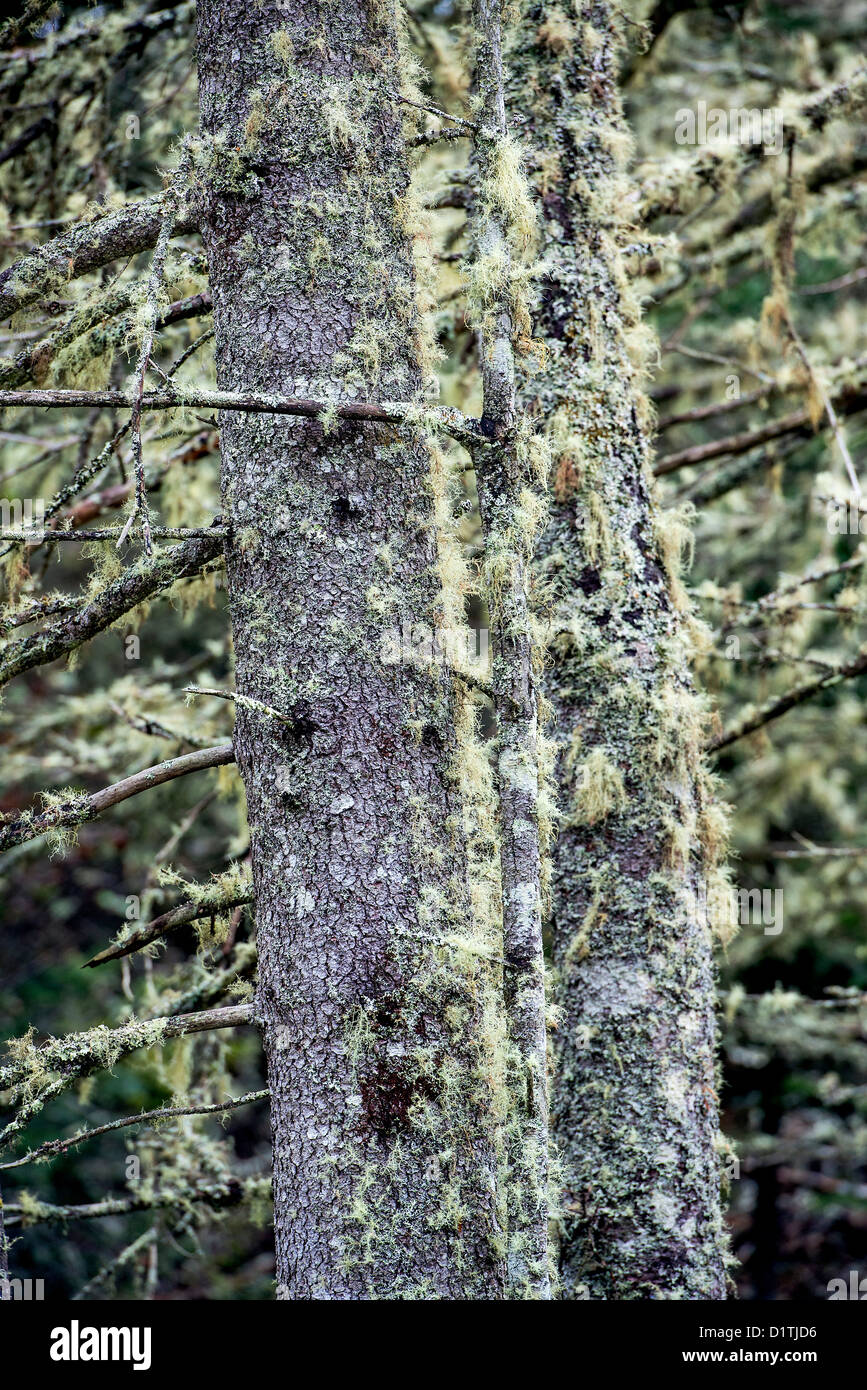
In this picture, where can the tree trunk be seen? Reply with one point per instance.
(378, 984)
(634, 1107)
(504, 483)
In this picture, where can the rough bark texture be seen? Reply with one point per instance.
(502, 480)
(634, 1106)
(376, 982)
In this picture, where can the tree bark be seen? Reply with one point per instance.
(503, 482)
(378, 983)
(633, 1106)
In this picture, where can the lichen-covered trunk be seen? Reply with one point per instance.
(503, 486)
(634, 1107)
(377, 995)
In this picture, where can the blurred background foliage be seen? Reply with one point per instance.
(739, 253)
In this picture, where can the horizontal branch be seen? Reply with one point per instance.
(34, 361)
(811, 851)
(77, 810)
(206, 906)
(99, 1048)
(86, 471)
(461, 427)
(82, 1054)
(713, 409)
(218, 1196)
(849, 400)
(841, 282)
(437, 111)
(53, 1147)
(257, 706)
(134, 586)
(734, 444)
(774, 708)
(109, 533)
(714, 483)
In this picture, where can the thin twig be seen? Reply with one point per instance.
(52, 1147)
(780, 705)
(436, 111)
(128, 1253)
(244, 700)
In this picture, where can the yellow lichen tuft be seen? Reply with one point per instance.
(600, 790)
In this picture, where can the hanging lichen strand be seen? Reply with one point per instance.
(634, 1104)
(378, 991)
(510, 509)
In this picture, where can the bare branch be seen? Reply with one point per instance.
(779, 705)
(464, 428)
(79, 809)
(850, 400)
(712, 409)
(842, 282)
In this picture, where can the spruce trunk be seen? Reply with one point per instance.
(378, 991)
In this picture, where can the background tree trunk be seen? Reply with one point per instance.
(377, 994)
(634, 1105)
